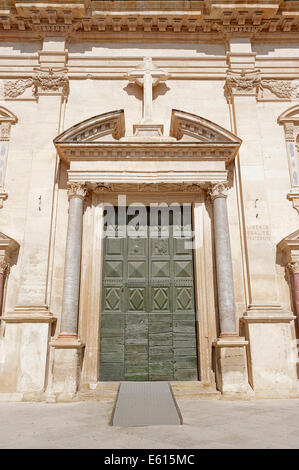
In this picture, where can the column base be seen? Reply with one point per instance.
(231, 365)
(67, 354)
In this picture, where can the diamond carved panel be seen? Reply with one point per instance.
(136, 299)
(112, 297)
(161, 299)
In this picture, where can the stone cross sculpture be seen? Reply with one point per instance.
(147, 75)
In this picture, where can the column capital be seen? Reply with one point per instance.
(217, 190)
(4, 267)
(293, 267)
(50, 81)
(242, 82)
(77, 189)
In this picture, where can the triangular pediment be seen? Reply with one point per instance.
(290, 115)
(190, 127)
(107, 126)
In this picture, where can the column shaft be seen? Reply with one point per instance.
(296, 289)
(225, 284)
(69, 318)
(2, 279)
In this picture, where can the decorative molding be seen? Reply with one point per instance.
(170, 151)
(95, 128)
(15, 88)
(284, 89)
(103, 188)
(77, 189)
(294, 197)
(7, 118)
(122, 19)
(217, 190)
(4, 267)
(245, 82)
(290, 246)
(268, 319)
(293, 267)
(50, 81)
(190, 125)
(289, 131)
(100, 188)
(290, 121)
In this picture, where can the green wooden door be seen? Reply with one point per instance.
(148, 313)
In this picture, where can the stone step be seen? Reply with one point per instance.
(107, 391)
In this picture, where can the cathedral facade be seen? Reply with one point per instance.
(149, 198)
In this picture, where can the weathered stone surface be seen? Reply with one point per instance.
(224, 111)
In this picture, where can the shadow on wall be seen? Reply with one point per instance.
(138, 48)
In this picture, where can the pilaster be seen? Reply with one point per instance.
(241, 87)
(50, 90)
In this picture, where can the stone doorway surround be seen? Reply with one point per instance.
(189, 166)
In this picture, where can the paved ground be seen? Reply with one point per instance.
(207, 425)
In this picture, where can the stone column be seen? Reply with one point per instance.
(4, 267)
(229, 348)
(71, 283)
(225, 283)
(67, 348)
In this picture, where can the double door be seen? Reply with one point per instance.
(148, 329)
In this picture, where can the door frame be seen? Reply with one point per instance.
(91, 276)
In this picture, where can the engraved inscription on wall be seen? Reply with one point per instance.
(258, 232)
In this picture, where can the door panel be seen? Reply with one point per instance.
(148, 316)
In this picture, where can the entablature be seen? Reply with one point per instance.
(207, 18)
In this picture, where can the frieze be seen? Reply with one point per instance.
(100, 188)
(103, 188)
(139, 154)
(283, 89)
(15, 88)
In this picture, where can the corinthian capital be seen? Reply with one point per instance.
(242, 83)
(77, 190)
(49, 81)
(217, 190)
(293, 267)
(4, 267)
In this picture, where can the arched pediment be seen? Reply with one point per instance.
(290, 115)
(192, 137)
(94, 129)
(7, 244)
(190, 127)
(6, 115)
(290, 245)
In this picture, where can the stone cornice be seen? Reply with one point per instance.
(116, 151)
(206, 18)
